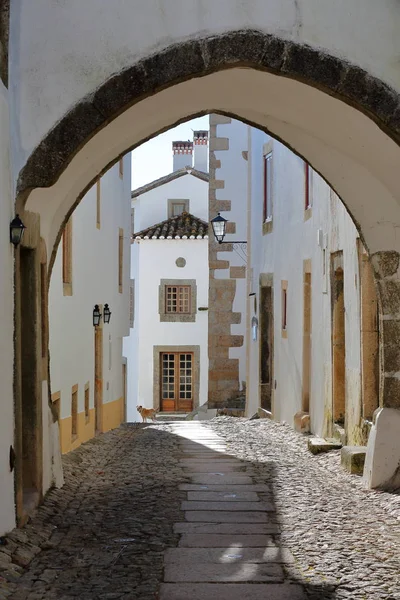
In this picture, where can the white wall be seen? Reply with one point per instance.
(282, 253)
(100, 38)
(7, 512)
(153, 260)
(152, 206)
(95, 281)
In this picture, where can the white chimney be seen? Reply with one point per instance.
(200, 142)
(182, 152)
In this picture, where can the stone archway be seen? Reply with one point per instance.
(330, 112)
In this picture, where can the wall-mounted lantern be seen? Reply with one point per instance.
(17, 229)
(218, 224)
(219, 227)
(106, 314)
(96, 316)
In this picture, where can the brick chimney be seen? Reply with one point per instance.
(183, 152)
(200, 142)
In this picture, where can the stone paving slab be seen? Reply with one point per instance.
(222, 572)
(227, 528)
(217, 468)
(227, 496)
(227, 506)
(218, 540)
(226, 555)
(226, 462)
(228, 591)
(214, 516)
(220, 478)
(252, 487)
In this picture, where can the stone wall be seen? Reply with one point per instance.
(224, 381)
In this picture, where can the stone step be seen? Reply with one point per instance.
(209, 540)
(353, 458)
(231, 591)
(227, 496)
(316, 445)
(235, 528)
(227, 555)
(216, 468)
(240, 572)
(220, 478)
(214, 516)
(233, 488)
(228, 506)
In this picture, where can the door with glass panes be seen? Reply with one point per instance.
(176, 381)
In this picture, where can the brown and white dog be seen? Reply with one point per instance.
(147, 413)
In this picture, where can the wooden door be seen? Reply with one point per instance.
(176, 382)
(338, 342)
(98, 378)
(266, 347)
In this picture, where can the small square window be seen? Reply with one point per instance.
(177, 207)
(177, 299)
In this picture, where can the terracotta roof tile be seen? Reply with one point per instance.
(184, 225)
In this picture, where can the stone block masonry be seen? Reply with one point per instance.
(223, 371)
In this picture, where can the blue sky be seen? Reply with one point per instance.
(154, 158)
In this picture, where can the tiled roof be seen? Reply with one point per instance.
(167, 178)
(184, 226)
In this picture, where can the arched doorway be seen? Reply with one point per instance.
(295, 93)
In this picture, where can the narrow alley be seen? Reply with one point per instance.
(233, 509)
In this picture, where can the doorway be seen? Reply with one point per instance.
(307, 321)
(338, 341)
(31, 409)
(176, 381)
(98, 378)
(266, 346)
(369, 336)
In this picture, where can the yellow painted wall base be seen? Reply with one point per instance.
(113, 415)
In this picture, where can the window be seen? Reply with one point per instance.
(121, 168)
(120, 259)
(56, 400)
(132, 303)
(284, 308)
(307, 186)
(267, 215)
(67, 258)
(177, 207)
(87, 403)
(98, 204)
(74, 412)
(177, 299)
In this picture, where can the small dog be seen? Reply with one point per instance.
(147, 413)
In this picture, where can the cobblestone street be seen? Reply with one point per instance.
(228, 509)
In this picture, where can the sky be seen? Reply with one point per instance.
(153, 159)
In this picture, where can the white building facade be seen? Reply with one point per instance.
(168, 344)
(312, 312)
(92, 267)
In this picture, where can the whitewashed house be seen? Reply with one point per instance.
(311, 322)
(87, 368)
(168, 343)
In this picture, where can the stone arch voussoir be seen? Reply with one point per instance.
(196, 58)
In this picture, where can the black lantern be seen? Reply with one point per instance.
(106, 314)
(17, 229)
(219, 227)
(96, 316)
